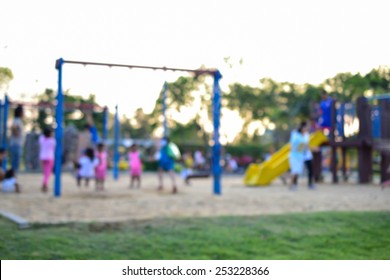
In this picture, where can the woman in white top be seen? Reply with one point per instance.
(17, 138)
(299, 145)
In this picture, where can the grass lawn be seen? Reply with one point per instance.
(327, 235)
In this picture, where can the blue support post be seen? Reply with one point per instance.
(340, 120)
(376, 122)
(58, 131)
(5, 120)
(116, 145)
(216, 158)
(1, 119)
(105, 124)
(164, 109)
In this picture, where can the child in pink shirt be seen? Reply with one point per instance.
(100, 170)
(135, 165)
(47, 145)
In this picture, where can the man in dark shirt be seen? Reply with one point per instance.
(325, 120)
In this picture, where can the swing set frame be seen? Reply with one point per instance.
(216, 104)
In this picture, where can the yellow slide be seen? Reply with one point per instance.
(263, 174)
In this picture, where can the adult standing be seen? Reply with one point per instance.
(299, 144)
(325, 119)
(88, 137)
(308, 161)
(167, 164)
(84, 141)
(17, 138)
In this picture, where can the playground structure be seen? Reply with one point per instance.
(31, 148)
(216, 101)
(373, 115)
(373, 134)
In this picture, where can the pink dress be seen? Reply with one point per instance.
(135, 164)
(46, 155)
(100, 169)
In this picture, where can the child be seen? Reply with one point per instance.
(188, 164)
(9, 182)
(135, 165)
(166, 163)
(100, 170)
(47, 145)
(87, 164)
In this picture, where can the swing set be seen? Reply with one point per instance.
(216, 104)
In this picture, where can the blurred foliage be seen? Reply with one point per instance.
(255, 151)
(138, 127)
(6, 76)
(72, 114)
(279, 106)
(282, 104)
(285, 104)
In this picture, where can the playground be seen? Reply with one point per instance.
(206, 197)
(119, 203)
(61, 220)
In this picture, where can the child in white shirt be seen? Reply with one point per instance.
(87, 164)
(9, 183)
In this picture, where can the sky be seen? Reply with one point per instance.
(297, 41)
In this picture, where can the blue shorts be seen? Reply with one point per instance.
(166, 165)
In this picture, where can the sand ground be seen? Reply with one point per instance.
(120, 203)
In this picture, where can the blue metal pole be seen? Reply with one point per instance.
(342, 109)
(216, 157)
(1, 119)
(105, 124)
(5, 120)
(164, 109)
(58, 131)
(340, 120)
(376, 121)
(116, 145)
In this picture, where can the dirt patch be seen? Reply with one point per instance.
(120, 203)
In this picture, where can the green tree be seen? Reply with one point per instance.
(190, 133)
(75, 109)
(282, 104)
(279, 103)
(348, 87)
(5, 77)
(183, 93)
(139, 126)
(47, 97)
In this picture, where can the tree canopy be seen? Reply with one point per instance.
(278, 106)
(72, 115)
(5, 77)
